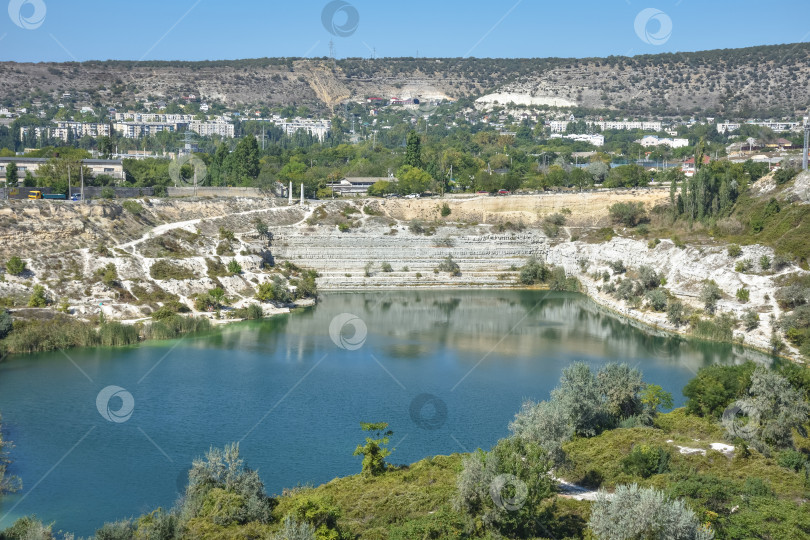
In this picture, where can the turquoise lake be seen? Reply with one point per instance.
(104, 434)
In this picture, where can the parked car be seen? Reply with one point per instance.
(76, 197)
(503, 192)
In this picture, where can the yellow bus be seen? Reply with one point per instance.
(34, 194)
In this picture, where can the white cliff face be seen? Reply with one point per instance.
(489, 238)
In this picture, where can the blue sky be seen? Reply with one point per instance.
(65, 30)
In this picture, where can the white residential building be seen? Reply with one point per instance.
(64, 130)
(223, 129)
(594, 139)
(652, 140)
(558, 126)
(624, 124)
(136, 130)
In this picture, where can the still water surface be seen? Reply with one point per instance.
(446, 369)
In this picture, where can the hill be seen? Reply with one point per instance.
(756, 81)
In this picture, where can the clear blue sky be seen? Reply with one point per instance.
(221, 29)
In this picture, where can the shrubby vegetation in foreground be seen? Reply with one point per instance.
(602, 429)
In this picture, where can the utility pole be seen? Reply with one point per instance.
(68, 195)
(81, 174)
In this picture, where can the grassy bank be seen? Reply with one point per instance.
(65, 332)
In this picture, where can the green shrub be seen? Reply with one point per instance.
(645, 461)
(743, 295)
(533, 272)
(234, 267)
(715, 387)
(38, 297)
(710, 293)
(744, 266)
(226, 234)
(386, 267)
(445, 210)
(628, 214)
(15, 266)
(450, 266)
(751, 320)
(765, 263)
(734, 250)
(107, 193)
(132, 207)
(617, 267)
(163, 270)
(657, 299)
(784, 175)
(676, 312)
(792, 459)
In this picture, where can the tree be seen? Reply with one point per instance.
(38, 298)
(620, 384)
(546, 424)
(234, 267)
(412, 180)
(375, 450)
(628, 214)
(15, 266)
(503, 489)
(710, 294)
(6, 323)
(413, 151)
(641, 513)
(11, 175)
(653, 397)
(579, 395)
(715, 388)
(774, 409)
(243, 162)
(261, 227)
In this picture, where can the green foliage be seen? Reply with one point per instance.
(226, 234)
(744, 266)
(710, 293)
(765, 263)
(375, 450)
(234, 267)
(445, 210)
(107, 193)
(751, 320)
(224, 490)
(657, 299)
(6, 323)
(164, 270)
(534, 271)
(774, 408)
(386, 267)
(552, 224)
(15, 266)
(450, 266)
(176, 326)
(716, 387)
(792, 459)
(785, 175)
(27, 528)
(645, 460)
(653, 396)
(676, 312)
(502, 490)
(132, 207)
(634, 512)
(743, 295)
(38, 297)
(274, 291)
(413, 151)
(628, 214)
(734, 250)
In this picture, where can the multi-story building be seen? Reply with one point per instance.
(223, 129)
(652, 140)
(624, 124)
(65, 130)
(135, 130)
